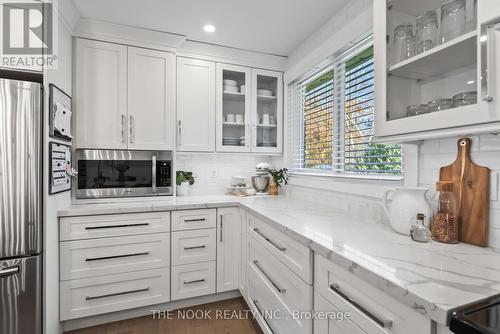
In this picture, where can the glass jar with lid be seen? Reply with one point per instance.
(465, 99)
(452, 19)
(427, 31)
(402, 46)
(417, 109)
(439, 104)
(444, 225)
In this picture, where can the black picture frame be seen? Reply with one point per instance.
(57, 95)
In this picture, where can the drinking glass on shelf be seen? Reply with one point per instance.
(452, 19)
(402, 43)
(427, 31)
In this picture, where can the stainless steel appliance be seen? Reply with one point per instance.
(20, 207)
(120, 173)
(261, 181)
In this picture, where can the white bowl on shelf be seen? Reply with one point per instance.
(231, 89)
(228, 82)
(265, 92)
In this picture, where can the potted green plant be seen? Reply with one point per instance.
(183, 179)
(279, 177)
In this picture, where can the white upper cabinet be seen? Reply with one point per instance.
(151, 81)
(195, 105)
(101, 95)
(436, 68)
(234, 115)
(124, 97)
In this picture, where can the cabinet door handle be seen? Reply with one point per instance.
(115, 226)
(280, 290)
(179, 136)
(487, 57)
(194, 247)
(257, 306)
(385, 323)
(278, 247)
(132, 130)
(221, 227)
(195, 281)
(124, 119)
(116, 294)
(9, 271)
(115, 256)
(194, 220)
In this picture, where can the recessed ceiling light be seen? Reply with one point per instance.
(208, 28)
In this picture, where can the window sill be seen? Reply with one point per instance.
(359, 177)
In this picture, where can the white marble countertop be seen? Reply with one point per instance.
(436, 277)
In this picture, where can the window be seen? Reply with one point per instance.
(332, 120)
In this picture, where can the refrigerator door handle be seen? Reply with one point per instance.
(9, 271)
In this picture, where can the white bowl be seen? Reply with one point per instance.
(231, 89)
(228, 82)
(236, 180)
(265, 92)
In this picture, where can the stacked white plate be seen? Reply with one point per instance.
(231, 86)
(265, 92)
(231, 141)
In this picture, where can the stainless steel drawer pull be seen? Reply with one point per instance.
(194, 247)
(115, 226)
(257, 306)
(195, 281)
(116, 294)
(9, 271)
(278, 247)
(194, 220)
(115, 256)
(382, 322)
(280, 290)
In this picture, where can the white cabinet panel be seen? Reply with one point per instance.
(151, 86)
(333, 325)
(193, 246)
(106, 256)
(193, 219)
(101, 95)
(195, 105)
(228, 248)
(91, 296)
(193, 280)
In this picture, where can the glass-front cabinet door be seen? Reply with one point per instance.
(437, 69)
(267, 107)
(233, 108)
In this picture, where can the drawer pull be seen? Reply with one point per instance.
(278, 247)
(257, 306)
(195, 281)
(115, 256)
(194, 247)
(385, 323)
(115, 226)
(116, 294)
(280, 290)
(194, 220)
(9, 271)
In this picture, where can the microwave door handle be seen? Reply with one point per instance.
(153, 174)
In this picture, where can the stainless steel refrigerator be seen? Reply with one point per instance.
(20, 207)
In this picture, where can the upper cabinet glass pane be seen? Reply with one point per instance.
(233, 109)
(267, 111)
(432, 56)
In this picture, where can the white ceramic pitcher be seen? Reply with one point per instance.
(406, 203)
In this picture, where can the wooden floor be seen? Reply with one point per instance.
(211, 325)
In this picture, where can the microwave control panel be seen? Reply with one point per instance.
(163, 173)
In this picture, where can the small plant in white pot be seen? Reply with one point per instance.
(183, 179)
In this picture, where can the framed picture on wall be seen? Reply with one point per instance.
(60, 114)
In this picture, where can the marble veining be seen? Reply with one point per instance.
(432, 278)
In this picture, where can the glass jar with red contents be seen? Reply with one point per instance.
(445, 214)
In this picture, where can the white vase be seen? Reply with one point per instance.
(183, 189)
(406, 204)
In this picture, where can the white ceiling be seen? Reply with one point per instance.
(271, 26)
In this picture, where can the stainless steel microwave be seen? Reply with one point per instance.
(120, 173)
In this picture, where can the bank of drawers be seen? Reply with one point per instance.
(113, 262)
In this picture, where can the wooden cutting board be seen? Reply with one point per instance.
(471, 185)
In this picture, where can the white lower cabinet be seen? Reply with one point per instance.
(228, 248)
(97, 295)
(193, 280)
(193, 246)
(334, 322)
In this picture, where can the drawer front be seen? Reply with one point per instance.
(107, 256)
(193, 219)
(276, 316)
(292, 253)
(371, 309)
(193, 280)
(335, 323)
(91, 296)
(286, 285)
(193, 246)
(89, 227)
